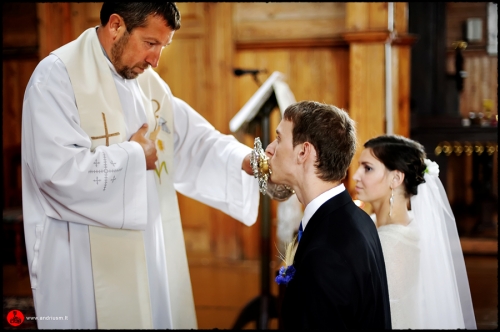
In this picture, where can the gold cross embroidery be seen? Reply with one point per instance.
(105, 131)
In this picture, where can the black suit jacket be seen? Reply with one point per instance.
(340, 280)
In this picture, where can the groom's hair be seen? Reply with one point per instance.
(134, 14)
(332, 133)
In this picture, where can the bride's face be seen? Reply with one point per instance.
(372, 178)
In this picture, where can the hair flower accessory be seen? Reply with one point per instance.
(432, 167)
(285, 275)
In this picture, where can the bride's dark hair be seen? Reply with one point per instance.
(402, 154)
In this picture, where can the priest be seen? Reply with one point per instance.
(105, 147)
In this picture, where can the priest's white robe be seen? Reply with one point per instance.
(59, 202)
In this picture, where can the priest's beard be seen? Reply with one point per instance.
(117, 56)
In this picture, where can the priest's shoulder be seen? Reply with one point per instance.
(49, 67)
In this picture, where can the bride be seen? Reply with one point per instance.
(426, 275)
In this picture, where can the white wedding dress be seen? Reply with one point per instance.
(400, 245)
(426, 273)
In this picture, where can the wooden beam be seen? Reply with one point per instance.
(291, 43)
(367, 32)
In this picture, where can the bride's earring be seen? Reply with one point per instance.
(391, 200)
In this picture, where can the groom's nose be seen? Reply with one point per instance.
(270, 149)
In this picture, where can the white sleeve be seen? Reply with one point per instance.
(106, 187)
(208, 166)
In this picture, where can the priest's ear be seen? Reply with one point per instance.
(116, 25)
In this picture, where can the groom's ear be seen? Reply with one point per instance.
(304, 152)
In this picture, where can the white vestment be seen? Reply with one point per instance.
(62, 197)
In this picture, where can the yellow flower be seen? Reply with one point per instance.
(160, 145)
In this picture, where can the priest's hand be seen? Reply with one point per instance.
(246, 165)
(147, 145)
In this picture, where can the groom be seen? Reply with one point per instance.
(340, 280)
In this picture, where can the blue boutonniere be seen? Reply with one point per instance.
(285, 275)
(287, 272)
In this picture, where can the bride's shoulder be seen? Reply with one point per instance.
(399, 233)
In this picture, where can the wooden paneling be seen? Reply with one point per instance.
(400, 17)
(457, 14)
(192, 20)
(222, 288)
(182, 66)
(19, 25)
(16, 74)
(366, 95)
(292, 20)
(59, 23)
(367, 34)
(401, 71)
(482, 69)
(481, 81)
(54, 26)
(20, 57)
(84, 15)
(198, 68)
(319, 74)
(302, 40)
(366, 16)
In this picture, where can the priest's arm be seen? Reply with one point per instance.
(208, 166)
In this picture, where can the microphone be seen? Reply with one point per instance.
(239, 72)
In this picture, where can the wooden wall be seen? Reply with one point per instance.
(481, 82)
(305, 41)
(221, 37)
(203, 78)
(482, 68)
(20, 42)
(330, 52)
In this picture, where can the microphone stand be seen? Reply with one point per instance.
(265, 306)
(253, 72)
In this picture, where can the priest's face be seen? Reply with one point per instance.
(373, 179)
(282, 155)
(134, 52)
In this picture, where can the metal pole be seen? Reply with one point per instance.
(389, 122)
(265, 246)
(263, 307)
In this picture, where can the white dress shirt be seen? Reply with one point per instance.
(315, 204)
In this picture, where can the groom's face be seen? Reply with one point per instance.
(281, 154)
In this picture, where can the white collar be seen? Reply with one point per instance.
(315, 204)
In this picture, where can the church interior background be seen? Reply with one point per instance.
(440, 85)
